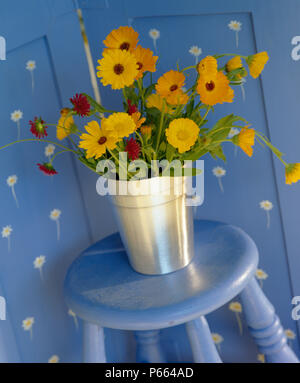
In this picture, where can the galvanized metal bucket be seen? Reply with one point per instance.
(155, 224)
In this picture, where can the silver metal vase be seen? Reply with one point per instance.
(154, 222)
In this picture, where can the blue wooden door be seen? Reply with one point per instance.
(269, 104)
(48, 34)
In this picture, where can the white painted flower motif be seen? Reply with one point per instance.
(27, 324)
(235, 26)
(30, 66)
(261, 275)
(6, 232)
(38, 263)
(261, 358)
(53, 359)
(74, 316)
(217, 339)
(290, 334)
(49, 150)
(54, 215)
(154, 34)
(11, 181)
(195, 51)
(16, 116)
(236, 307)
(267, 206)
(233, 132)
(219, 172)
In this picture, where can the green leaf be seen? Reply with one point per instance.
(217, 152)
(194, 154)
(170, 152)
(94, 104)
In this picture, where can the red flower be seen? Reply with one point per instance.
(81, 104)
(131, 108)
(47, 168)
(38, 127)
(133, 149)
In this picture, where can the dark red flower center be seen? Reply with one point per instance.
(124, 46)
(102, 140)
(210, 85)
(173, 88)
(140, 65)
(118, 69)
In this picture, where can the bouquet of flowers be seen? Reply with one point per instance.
(161, 120)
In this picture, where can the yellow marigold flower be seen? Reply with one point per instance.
(292, 173)
(137, 119)
(156, 101)
(214, 89)
(207, 65)
(236, 63)
(170, 82)
(182, 133)
(124, 38)
(64, 126)
(245, 140)
(117, 68)
(145, 60)
(146, 130)
(256, 63)
(121, 124)
(177, 98)
(97, 140)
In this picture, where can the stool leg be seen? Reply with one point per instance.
(148, 348)
(93, 343)
(203, 347)
(265, 326)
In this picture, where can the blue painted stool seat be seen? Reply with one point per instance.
(102, 289)
(101, 286)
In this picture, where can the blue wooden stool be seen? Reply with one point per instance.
(103, 290)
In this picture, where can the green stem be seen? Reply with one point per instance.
(205, 115)
(160, 126)
(271, 147)
(189, 67)
(37, 140)
(56, 154)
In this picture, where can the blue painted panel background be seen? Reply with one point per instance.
(55, 44)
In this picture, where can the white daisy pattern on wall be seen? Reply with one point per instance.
(16, 116)
(11, 181)
(27, 324)
(236, 307)
(6, 233)
(38, 263)
(290, 336)
(219, 172)
(53, 359)
(74, 316)
(261, 275)
(235, 26)
(261, 358)
(55, 215)
(30, 66)
(154, 34)
(49, 150)
(196, 52)
(217, 339)
(267, 206)
(233, 132)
